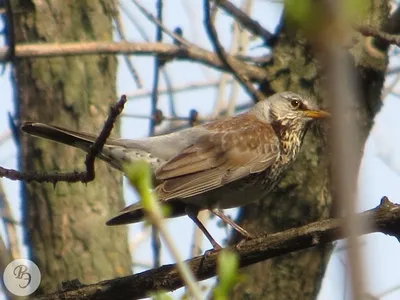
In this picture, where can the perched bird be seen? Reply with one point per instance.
(227, 163)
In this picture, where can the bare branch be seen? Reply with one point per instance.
(212, 33)
(85, 176)
(193, 53)
(157, 65)
(251, 25)
(385, 218)
(178, 88)
(145, 36)
(160, 25)
(155, 234)
(129, 63)
(242, 43)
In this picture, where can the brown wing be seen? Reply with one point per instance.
(233, 149)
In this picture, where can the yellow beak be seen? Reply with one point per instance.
(317, 114)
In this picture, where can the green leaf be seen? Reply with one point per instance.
(139, 176)
(227, 269)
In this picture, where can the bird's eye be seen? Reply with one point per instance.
(295, 103)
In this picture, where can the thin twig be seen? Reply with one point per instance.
(134, 20)
(129, 63)
(242, 43)
(163, 118)
(178, 88)
(141, 181)
(85, 176)
(390, 88)
(243, 18)
(145, 36)
(156, 75)
(212, 33)
(195, 30)
(155, 20)
(238, 108)
(388, 291)
(198, 235)
(225, 77)
(155, 237)
(219, 103)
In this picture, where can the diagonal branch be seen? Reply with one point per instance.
(85, 176)
(237, 72)
(146, 38)
(247, 22)
(160, 25)
(385, 218)
(131, 68)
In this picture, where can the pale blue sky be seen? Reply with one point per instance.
(379, 174)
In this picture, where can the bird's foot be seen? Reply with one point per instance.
(245, 239)
(211, 251)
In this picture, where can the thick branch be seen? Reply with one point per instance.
(385, 218)
(208, 58)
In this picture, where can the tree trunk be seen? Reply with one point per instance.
(65, 224)
(304, 194)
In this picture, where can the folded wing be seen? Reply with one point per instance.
(230, 150)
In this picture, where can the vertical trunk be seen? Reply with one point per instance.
(304, 193)
(64, 224)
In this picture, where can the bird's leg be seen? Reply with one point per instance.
(229, 221)
(192, 212)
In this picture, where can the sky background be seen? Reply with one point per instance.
(379, 173)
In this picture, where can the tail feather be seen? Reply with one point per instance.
(76, 139)
(134, 213)
(131, 214)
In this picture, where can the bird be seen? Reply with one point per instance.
(227, 163)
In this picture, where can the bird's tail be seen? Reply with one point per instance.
(131, 214)
(76, 139)
(134, 213)
(111, 152)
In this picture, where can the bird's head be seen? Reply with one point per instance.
(288, 109)
(288, 112)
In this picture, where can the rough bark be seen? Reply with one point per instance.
(304, 194)
(64, 224)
